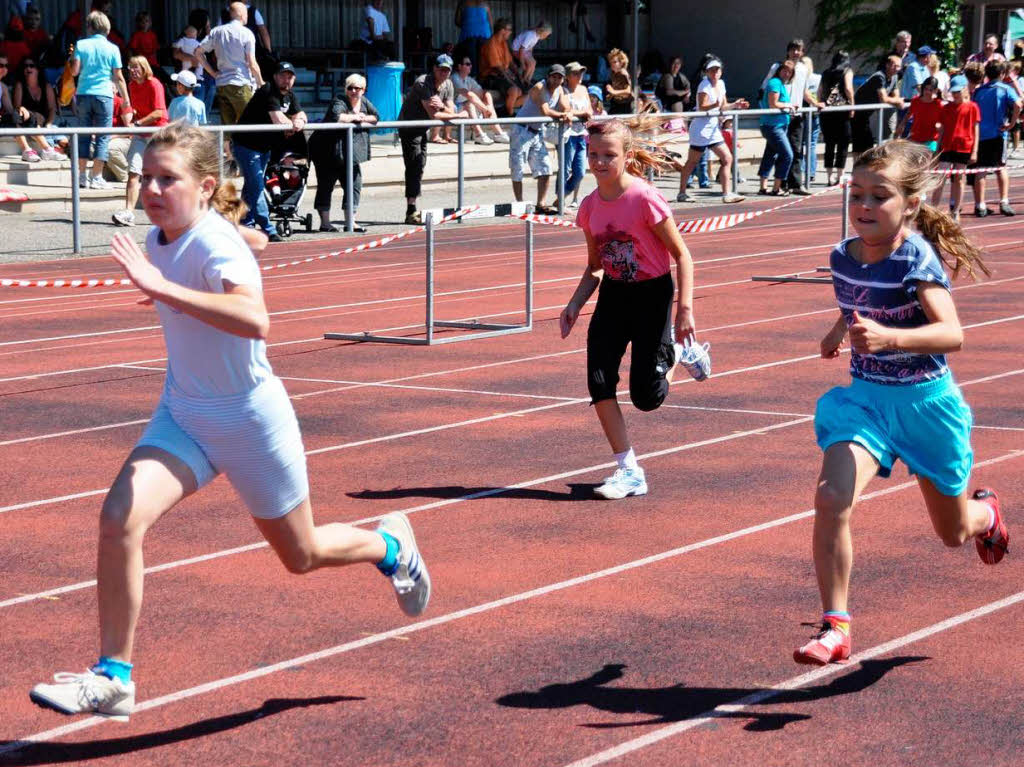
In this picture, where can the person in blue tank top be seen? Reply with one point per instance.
(895, 303)
(473, 18)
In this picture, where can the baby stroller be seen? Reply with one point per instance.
(284, 186)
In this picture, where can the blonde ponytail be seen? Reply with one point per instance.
(950, 241)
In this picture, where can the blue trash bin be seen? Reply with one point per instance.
(384, 89)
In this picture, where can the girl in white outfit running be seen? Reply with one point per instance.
(222, 411)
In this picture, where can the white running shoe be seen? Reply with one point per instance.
(694, 358)
(124, 218)
(98, 182)
(83, 181)
(52, 155)
(484, 139)
(86, 693)
(411, 580)
(622, 483)
(30, 155)
(501, 138)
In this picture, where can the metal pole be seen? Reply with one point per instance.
(76, 212)
(430, 277)
(350, 215)
(400, 30)
(808, 119)
(735, 156)
(636, 46)
(846, 207)
(462, 167)
(220, 153)
(560, 188)
(881, 125)
(529, 273)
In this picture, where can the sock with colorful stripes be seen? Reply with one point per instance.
(840, 620)
(389, 564)
(113, 669)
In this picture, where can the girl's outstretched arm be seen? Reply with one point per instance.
(941, 335)
(588, 284)
(833, 339)
(239, 310)
(254, 238)
(669, 235)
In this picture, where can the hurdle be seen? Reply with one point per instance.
(431, 324)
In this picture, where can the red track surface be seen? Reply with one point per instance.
(561, 627)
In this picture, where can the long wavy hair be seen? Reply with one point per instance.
(908, 165)
(642, 151)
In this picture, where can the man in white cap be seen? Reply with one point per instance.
(186, 106)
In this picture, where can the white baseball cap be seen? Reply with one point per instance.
(186, 77)
(714, 63)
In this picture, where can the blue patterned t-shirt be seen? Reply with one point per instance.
(886, 292)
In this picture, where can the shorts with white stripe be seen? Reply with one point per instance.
(252, 438)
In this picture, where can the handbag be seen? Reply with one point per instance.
(66, 86)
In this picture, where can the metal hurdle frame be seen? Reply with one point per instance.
(491, 329)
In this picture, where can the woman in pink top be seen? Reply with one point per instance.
(632, 242)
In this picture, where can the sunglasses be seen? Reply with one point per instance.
(3, 65)
(466, 63)
(29, 65)
(354, 88)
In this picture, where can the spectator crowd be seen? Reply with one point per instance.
(966, 113)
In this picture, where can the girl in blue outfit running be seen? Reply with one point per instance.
(222, 411)
(895, 304)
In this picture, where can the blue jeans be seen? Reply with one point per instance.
(777, 152)
(574, 153)
(253, 165)
(701, 172)
(95, 112)
(205, 92)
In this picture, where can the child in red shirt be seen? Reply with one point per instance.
(959, 120)
(925, 114)
(144, 41)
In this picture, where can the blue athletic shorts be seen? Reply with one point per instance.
(926, 425)
(251, 438)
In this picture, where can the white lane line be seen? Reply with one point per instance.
(793, 683)
(998, 428)
(57, 434)
(468, 497)
(58, 499)
(440, 620)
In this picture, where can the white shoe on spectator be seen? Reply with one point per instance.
(484, 139)
(731, 198)
(124, 218)
(52, 154)
(98, 182)
(83, 181)
(30, 155)
(501, 137)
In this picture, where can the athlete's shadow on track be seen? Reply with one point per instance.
(58, 753)
(577, 492)
(678, 703)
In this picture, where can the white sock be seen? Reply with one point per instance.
(1005, 201)
(991, 518)
(627, 460)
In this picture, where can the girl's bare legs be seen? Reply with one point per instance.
(150, 483)
(724, 177)
(845, 472)
(303, 547)
(956, 519)
(937, 193)
(614, 425)
(956, 191)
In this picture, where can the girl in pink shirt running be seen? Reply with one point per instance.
(632, 241)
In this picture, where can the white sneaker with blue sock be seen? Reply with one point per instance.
(410, 578)
(88, 693)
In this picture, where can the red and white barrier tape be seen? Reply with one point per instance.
(970, 171)
(697, 225)
(9, 195)
(103, 283)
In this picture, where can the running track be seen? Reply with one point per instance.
(563, 631)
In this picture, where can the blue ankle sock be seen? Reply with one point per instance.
(389, 564)
(113, 669)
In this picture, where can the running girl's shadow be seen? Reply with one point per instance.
(577, 492)
(58, 753)
(678, 703)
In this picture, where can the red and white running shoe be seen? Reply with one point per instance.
(992, 544)
(830, 645)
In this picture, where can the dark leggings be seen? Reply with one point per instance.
(414, 153)
(637, 313)
(327, 175)
(835, 127)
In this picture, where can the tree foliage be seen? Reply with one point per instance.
(867, 27)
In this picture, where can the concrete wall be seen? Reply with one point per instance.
(747, 34)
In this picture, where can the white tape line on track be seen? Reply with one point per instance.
(440, 620)
(761, 696)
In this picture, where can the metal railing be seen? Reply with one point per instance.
(737, 116)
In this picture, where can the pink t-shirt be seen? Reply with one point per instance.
(624, 231)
